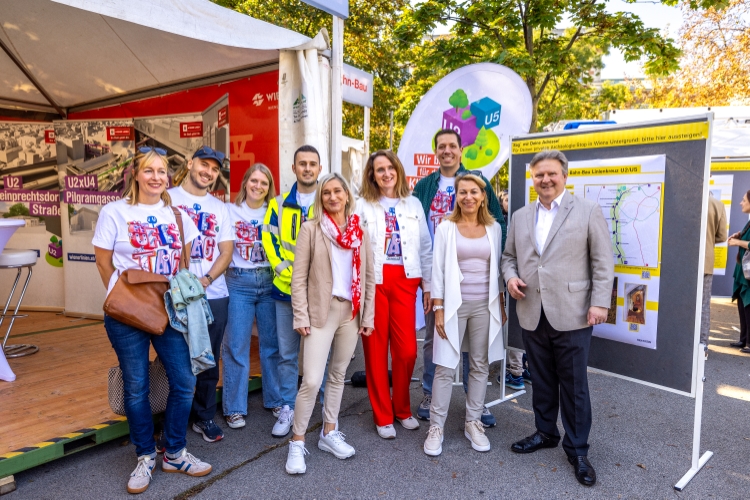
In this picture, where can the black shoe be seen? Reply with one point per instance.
(737, 344)
(584, 471)
(534, 442)
(746, 350)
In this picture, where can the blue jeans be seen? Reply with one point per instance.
(131, 346)
(250, 299)
(289, 340)
(428, 371)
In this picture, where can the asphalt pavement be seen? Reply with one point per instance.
(641, 443)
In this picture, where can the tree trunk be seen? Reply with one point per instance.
(531, 84)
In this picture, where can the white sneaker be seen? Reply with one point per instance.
(187, 464)
(474, 432)
(235, 420)
(141, 476)
(284, 424)
(334, 442)
(410, 423)
(433, 445)
(276, 412)
(386, 431)
(295, 459)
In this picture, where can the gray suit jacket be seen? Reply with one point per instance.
(574, 271)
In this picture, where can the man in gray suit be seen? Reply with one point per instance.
(559, 266)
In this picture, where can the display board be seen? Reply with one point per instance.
(730, 181)
(29, 191)
(651, 181)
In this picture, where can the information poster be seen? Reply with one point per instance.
(720, 187)
(630, 193)
(93, 158)
(29, 191)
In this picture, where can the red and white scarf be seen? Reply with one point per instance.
(350, 239)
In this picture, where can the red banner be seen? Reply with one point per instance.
(120, 133)
(49, 136)
(223, 116)
(191, 129)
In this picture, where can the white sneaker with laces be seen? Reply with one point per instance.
(474, 432)
(295, 459)
(185, 463)
(334, 442)
(141, 476)
(284, 424)
(433, 445)
(410, 423)
(386, 431)
(235, 420)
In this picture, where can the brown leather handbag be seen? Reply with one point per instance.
(137, 299)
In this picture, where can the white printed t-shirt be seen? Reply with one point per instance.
(392, 248)
(211, 217)
(143, 237)
(442, 204)
(247, 226)
(305, 200)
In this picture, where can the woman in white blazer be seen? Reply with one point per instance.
(402, 250)
(467, 290)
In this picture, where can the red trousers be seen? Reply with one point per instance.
(395, 323)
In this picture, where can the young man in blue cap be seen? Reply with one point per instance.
(211, 255)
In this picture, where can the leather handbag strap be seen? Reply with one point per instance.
(183, 256)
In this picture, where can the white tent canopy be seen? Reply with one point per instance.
(71, 55)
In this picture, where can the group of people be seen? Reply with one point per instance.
(316, 268)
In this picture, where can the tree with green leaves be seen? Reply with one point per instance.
(458, 99)
(481, 140)
(524, 35)
(16, 210)
(368, 45)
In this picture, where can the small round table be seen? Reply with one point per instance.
(17, 259)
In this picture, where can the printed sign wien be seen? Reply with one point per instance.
(223, 116)
(120, 133)
(356, 86)
(191, 129)
(486, 104)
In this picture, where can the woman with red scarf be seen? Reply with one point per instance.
(333, 294)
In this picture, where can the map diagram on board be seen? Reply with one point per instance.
(633, 212)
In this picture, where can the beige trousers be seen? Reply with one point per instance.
(339, 337)
(474, 330)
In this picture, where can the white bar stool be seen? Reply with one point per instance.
(17, 259)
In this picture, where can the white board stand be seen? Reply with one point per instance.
(698, 460)
(505, 397)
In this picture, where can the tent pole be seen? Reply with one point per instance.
(367, 133)
(337, 64)
(698, 461)
(31, 78)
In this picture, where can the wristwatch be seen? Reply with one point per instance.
(437, 308)
(209, 278)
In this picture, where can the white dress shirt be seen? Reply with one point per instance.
(544, 220)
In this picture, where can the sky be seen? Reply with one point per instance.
(652, 13)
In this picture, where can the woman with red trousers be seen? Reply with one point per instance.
(402, 250)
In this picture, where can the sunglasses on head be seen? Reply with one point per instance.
(148, 149)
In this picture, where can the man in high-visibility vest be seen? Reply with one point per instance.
(285, 215)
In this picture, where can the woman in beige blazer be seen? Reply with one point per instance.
(333, 295)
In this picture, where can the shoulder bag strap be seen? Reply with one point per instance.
(183, 256)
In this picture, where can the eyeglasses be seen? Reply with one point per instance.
(207, 151)
(148, 149)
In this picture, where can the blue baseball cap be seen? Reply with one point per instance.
(206, 153)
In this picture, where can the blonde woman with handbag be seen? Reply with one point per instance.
(140, 232)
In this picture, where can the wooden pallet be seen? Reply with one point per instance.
(58, 404)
